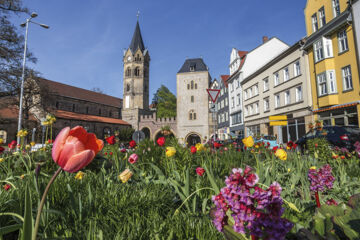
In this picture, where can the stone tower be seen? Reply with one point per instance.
(136, 80)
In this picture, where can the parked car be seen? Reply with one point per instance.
(271, 140)
(336, 135)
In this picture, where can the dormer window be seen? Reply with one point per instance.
(192, 67)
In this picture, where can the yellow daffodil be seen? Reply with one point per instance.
(45, 123)
(79, 175)
(256, 145)
(22, 133)
(281, 153)
(199, 147)
(22, 176)
(32, 144)
(27, 146)
(125, 175)
(313, 167)
(289, 170)
(1, 160)
(288, 148)
(1, 141)
(248, 142)
(170, 151)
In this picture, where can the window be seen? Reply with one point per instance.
(336, 7)
(232, 102)
(277, 100)
(188, 86)
(128, 72)
(347, 79)
(219, 119)
(286, 74)
(226, 102)
(192, 115)
(100, 111)
(328, 47)
(137, 72)
(87, 110)
(332, 81)
(222, 104)
(245, 95)
(343, 43)
(73, 107)
(319, 54)
(297, 71)
(266, 104)
(322, 20)
(256, 107)
(221, 91)
(195, 85)
(256, 90)
(322, 85)
(238, 83)
(266, 84)
(298, 93)
(276, 79)
(246, 111)
(192, 84)
(110, 114)
(231, 87)
(314, 22)
(127, 87)
(287, 97)
(250, 110)
(238, 99)
(250, 92)
(226, 116)
(192, 99)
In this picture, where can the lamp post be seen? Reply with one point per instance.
(25, 24)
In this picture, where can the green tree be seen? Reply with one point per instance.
(165, 102)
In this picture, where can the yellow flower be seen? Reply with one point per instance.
(22, 176)
(252, 150)
(288, 148)
(313, 167)
(1, 141)
(16, 153)
(22, 133)
(199, 147)
(256, 145)
(248, 142)
(45, 123)
(27, 146)
(125, 175)
(170, 151)
(32, 144)
(281, 153)
(289, 169)
(79, 175)
(1, 160)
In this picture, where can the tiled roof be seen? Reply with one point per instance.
(88, 118)
(12, 112)
(242, 53)
(196, 64)
(80, 93)
(137, 41)
(224, 78)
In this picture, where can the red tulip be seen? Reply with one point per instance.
(111, 140)
(316, 145)
(200, 171)
(12, 145)
(217, 145)
(161, 141)
(111, 153)
(74, 149)
(193, 149)
(294, 146)
(105, 153)
(7, 187)
(2, 150)
(133, 158)
(132, 144)
(275, 148)
(123, 150)
(50, 141)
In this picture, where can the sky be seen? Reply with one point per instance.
(85, 42)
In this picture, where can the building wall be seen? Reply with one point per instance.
(298, 109)
(223, 111)
(200, 105)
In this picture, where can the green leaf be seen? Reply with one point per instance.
(319, 225)
(187, 183)
(9, 229)
(210, 176)
(28, 220)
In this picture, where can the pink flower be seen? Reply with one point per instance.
(7, 187)
(133, 158)
(123, 150)
(74, 149)
(200, 171)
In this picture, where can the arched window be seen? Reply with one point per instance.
(188, 86)
(128, 72)
(137, 71)
(192, 115)
(137, 58)
(127, 87)
(192, 84)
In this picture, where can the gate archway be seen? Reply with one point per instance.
(192, 139)
(146, 131)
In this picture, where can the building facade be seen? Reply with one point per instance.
(242, 65)
(333, 62)
(194, 119)
(223, 109)
(281, 87)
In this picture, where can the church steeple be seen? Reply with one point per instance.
(137, 41)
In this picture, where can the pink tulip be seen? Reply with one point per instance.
(133, 158)
(74, 149)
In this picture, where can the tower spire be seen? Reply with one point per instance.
(137, 41)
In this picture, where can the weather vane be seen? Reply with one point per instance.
(137, 15)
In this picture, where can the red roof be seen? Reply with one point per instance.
(242, 53)
(80, 93)
(224, 78)
(12, 112)
(88, 118)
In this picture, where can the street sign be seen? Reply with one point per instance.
(279, 123)
(281, 117)
(138, 136)
(213, 93)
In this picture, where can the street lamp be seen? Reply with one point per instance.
(25, 24)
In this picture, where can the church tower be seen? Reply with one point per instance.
(136, 79)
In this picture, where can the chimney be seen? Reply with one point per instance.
(265, 39)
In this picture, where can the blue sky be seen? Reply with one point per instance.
(85, 42)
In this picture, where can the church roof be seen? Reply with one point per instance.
(193, 65)
(79, 93)
(88, 118)
(137, 41)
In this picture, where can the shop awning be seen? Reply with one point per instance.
(336, 107)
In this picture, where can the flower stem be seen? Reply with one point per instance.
(317, 199)
(37, 222)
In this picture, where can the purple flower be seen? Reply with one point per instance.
(319, 179)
